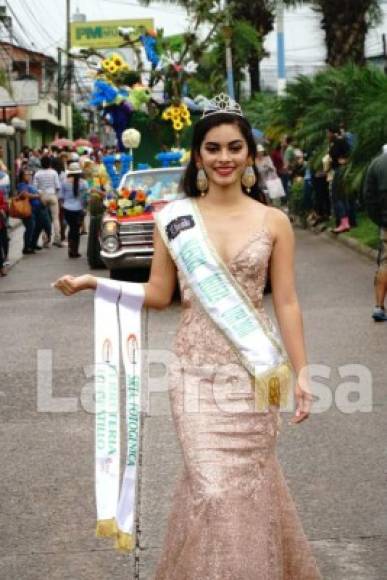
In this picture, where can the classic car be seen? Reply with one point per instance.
(126, 232)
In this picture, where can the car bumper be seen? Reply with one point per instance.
(125, 258)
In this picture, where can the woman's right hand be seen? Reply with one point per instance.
(70, 285)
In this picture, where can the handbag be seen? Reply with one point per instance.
(275, 188)
(20, 208)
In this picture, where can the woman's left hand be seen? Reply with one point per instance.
(304, 401)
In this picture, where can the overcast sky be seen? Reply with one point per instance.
(42, 22)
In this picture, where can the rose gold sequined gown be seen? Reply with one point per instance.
(232, 516)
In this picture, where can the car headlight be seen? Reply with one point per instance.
(110, 244)
(109, 228)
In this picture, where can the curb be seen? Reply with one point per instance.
(354, 245)
(351, 243)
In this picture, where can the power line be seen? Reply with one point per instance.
(153, 7)
(20, 25)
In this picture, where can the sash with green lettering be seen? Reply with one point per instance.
(255, 341)
(117, 320)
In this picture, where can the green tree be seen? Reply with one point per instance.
(345, 24)
(260, 15)
(255, 18)
(79, 123)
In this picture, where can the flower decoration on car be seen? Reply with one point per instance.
(129, 202)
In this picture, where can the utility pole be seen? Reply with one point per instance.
(59, 84)
(281, 63)
(69, 71)
(227, 33)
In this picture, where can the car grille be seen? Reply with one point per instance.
(136, 234)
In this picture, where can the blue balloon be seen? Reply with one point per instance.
(149, 44)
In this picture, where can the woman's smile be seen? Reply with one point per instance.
(224, 171)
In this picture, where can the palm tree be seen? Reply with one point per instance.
(260, 16)
(345, 24)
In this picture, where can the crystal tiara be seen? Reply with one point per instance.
(222, 104)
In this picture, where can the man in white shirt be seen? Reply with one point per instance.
(47, 182)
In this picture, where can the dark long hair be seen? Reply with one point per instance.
(201, 129)
(76, 177)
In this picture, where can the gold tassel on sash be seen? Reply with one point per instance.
(273, 388)
(106, 528)
(125, 542)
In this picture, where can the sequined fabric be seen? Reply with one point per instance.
(232, 516)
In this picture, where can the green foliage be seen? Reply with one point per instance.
(366, 232)
(246, 43)
(296, 201)
(156, 135)
(352, 95)
(79, 123)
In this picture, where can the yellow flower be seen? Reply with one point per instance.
(117, 60)
(185, 115)
(105, 63)
(177, 125)
(112, 68)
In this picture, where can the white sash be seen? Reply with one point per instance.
(256, 342)
(115, 510)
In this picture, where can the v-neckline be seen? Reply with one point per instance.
(227, 263)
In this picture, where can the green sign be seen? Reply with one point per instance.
(104, 33)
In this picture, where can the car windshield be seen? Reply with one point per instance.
(158, 185)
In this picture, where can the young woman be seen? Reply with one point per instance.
(73, 196)
(232, 516)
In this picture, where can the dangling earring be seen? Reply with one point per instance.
(248, 178)
(202, 182)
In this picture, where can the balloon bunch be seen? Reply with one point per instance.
(179, 116)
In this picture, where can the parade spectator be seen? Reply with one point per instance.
(265, 166)
(34, 163)
(3, 233)
(278, 159)
(289, 160)
(322, 203)
(46, 181)
(39, 220)
(73, 193)
(3, 166)
(5, 182)
(375, 199)
(339, 153)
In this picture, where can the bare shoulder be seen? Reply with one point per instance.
(278, 223)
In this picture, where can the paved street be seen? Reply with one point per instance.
(334, 463)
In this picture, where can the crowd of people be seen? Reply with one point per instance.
(56, 184)
(323, 194)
